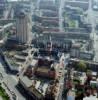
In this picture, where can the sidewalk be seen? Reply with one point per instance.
(7, 90)
(1, 98)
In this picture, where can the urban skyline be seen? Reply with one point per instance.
(48, 50)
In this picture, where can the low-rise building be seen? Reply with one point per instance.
(38, 79)
(47, 69)
(82, 4)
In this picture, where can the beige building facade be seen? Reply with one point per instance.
(24, 27)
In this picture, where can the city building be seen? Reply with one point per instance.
(2, 7)
(90, 64)
(74, 52)
(46, 69)
(49, 4)
(78, 50)
(75, 3)
(23, 25)
(40, 79)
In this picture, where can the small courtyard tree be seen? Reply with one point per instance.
(81, 66)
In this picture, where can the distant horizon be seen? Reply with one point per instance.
(18, 0)
(12, 0)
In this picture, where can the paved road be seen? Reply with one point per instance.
(65, 57)
(92, 18)
(62, 3)
(9, 12)
(38, 4)
(10, 80)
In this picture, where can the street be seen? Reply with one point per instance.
(92, 18)
(64, 58)
(62, 3)
(10, 80)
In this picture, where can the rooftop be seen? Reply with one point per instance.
(26, 81)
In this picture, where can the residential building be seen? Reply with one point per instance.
(79, 51)
(46, 69)
(23, 25)
(38, 79)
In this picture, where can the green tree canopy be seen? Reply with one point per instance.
(81, 66)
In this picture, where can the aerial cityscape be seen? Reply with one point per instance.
(48, 49)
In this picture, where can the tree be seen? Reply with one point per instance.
(81, 66)
(89, 72)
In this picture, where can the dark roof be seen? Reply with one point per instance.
(11, 42)
(21, 14)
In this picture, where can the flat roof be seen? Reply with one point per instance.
(20, 57)
(43, 69)
(35, 92)
(33, 63)
(26, 81)
(1, 41)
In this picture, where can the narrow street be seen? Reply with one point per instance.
(65, 56)
(64, 60)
